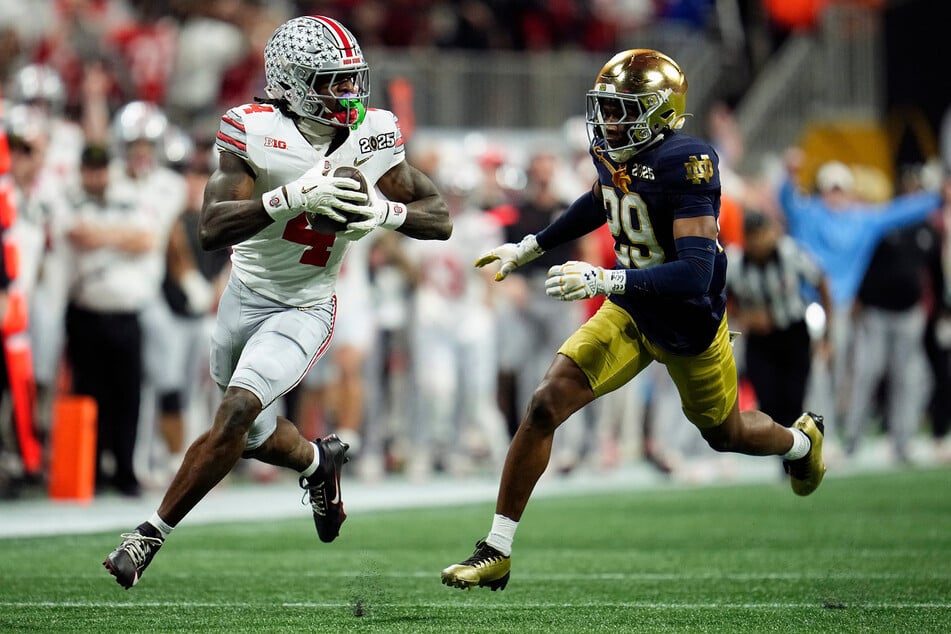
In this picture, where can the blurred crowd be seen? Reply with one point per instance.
(839, 278)
(196, 58)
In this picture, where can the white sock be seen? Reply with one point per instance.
(502, 534)
(313, 465)
(800, 445)
(160, 525)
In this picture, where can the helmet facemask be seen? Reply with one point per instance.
(638, 96)
(313, 95)
(317, 68)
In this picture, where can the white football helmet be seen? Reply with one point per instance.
(39, 84)
(139, 121)
(25, 123)
(307, 60)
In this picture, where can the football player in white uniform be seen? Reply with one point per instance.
(275, 179)
(141, 178)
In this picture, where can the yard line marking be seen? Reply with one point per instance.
(632, 576)
(609, 576)
(637, 604)
(647, 605)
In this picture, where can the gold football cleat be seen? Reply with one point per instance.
(486, 567)
(806, 473)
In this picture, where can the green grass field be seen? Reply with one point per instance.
(867, 553)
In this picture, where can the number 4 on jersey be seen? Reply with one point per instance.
(298, 232)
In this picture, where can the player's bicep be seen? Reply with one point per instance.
(700, 226)
(233, 180)
(404, 183)
(230, 212)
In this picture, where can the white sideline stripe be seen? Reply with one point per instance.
(483, 606)
(267, 502)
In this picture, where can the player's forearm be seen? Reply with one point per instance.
(688, 276)
(133, 240)
(226, 223)
(427, 219)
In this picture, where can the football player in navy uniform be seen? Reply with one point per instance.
(659, 191)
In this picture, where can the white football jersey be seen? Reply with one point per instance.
(287, 261)
(110, 279)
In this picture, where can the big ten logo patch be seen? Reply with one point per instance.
(276, 143)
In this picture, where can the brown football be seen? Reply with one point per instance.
(323, 224)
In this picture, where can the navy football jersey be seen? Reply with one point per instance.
(679, 178)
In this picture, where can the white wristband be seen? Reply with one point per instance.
(395, 215)
(275, 204)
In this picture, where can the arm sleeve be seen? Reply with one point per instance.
(688, 276)
(582, 216)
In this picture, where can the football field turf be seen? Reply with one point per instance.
(867, 553)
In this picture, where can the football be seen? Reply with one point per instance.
(323, 224)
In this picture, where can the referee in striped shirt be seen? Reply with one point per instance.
(770, 283)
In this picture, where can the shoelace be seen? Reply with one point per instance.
(318, 498)
(483, 556)
(138, 546)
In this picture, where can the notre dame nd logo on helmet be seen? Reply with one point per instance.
(699, 169)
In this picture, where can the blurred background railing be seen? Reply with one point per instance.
(509, 89)
(832, 74)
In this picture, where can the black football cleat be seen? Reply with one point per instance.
(130, 559)
(486, 567)
(323, 487)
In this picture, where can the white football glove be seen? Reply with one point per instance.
(379, 213)
(511, 255)
(315, 192)
(580, 280)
